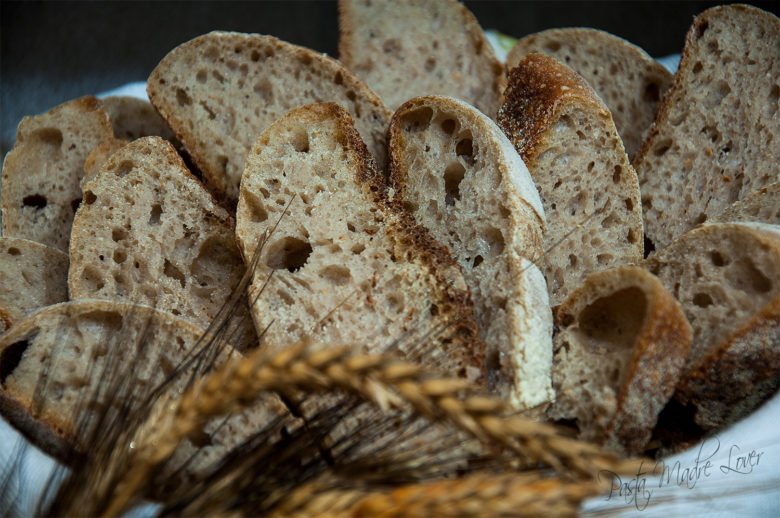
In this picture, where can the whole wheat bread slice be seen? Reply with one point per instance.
(621, 341)
(566, 137)
(408, 48)
(349, 266)
(458, 175)
(762, 206)
(716, 138)
(41, 174)
(219, 91)
(99, 156)
(627, 79)
(727, 279)
(148, 233)
(32, 275)
(134, 118)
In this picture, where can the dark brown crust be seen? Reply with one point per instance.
(5, 317)
(539, 88)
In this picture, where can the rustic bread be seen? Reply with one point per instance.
(349, 266)
(134, 118)
(460, 177)
(220, 91)
(147, 232)
(98, 156)
(621, 341)
(566, 137)
(627, 79)
(408, 48)
(41, 174)
(32, 275)
(762, 205)
(727, 279)
(715, 139)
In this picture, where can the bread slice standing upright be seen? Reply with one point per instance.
(716, 138)
(621, 341)
(219, 91)
(460, 177)
(762, 206)
(134, 118)
(349, 266)
(408, 48)
(566, 137)
(148, 233)
(41, 174)
(627, 79)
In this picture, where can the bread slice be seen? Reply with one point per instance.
(149, 233)
(220, 91)
(41, 174)
(460, 177)
(627, 79)
(621, 340)
(134, 118)
(727, 279)
(349, 265)
(717, 131)
(408, 48)
(566, 137)
(762, 205)
(32, 275)
(99, 156)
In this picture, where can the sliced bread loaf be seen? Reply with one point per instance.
(762, 205)
(621, 341)
(627, 79)
(727, 279)
(349, 266)
(566, 137)
(32, 275)
(220, 91)
(718, 129)
(408, 48)
(459, 176)
(41, 174)
(147, 232)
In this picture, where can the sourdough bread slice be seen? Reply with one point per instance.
(460, 177)
(715, 139)
(99, 156)
(148, 233)
(41, 174)
(134, 118)
(621, 341)
(32, 275)
(408, 48)
(349, 265)
(727, 279)
(762, 206)
(627, 79)
(566, 137)
(220, 91)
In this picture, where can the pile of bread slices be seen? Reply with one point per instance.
(588, 236)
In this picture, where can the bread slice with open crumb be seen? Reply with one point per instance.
(219, 91)
(715, 139)
(458, 175)
(148, 233)
(349, 266)
(627, 79)
(762, 206)
(408, 48)
(621, 341)
(566, 137)
(134, 118)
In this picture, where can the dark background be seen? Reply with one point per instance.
(54, 51)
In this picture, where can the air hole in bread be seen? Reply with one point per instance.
(610, 221)
(12, 356)
(495, 241)
(288, 253)
(614, 321)
(49, 138)
(448, 126)
(391, 46)
(604, 259)
(255, 206)
(38, 201)
(662, 147)
(701, 218)
(552, 46)
(336, 274)
(358, 248)
(300, 139)
(629, 204)
(395, 303)
(465, 150)
(453, 176)
(573, 260)
(14, 251)
(120, 256)
(717, 259)
(616, 174)
(338, 79)
(214, 262)
(410, 206)
(477, 261)
(651, 92)
(217, 76)
(182, 98)
(92, 279)
(745, 276)
(202, 76)
(286, 297)
(417, 120)
(170, 270)
(265, 91)
(774, 95)
(632, 237)
(222, 163)
(716, 94)
(702, 300)
(430, 64)
(351, 95)
(155, 213)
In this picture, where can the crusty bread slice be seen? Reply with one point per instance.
(41, 174)
(627, 79)
(349, 266)
(727, 279)
(32, 275)
(408, 48)
(219, 91)
(148, 233)
(566, 137)
(134, 118)
(621, 342)
(762, 205)
(715, 139)
(460, 177)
